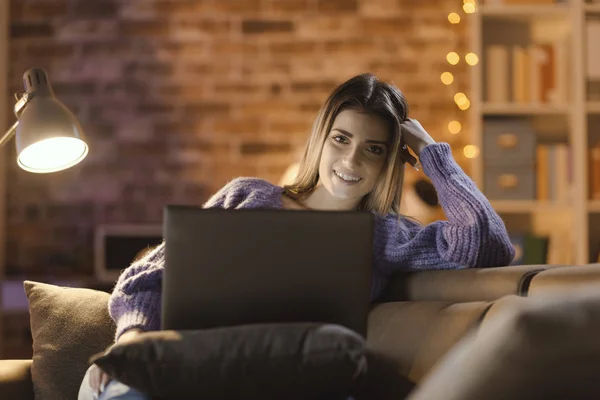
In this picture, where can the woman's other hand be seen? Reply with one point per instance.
(415, 137)
(98, 378)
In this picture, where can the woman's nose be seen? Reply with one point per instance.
(352, 158)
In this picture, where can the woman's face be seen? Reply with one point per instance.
(354, 154)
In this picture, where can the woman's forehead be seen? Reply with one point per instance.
(365, 125)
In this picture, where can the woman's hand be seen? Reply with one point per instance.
(98, 378)
(416, 138)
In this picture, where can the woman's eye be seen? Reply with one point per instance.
(340, 139)
(376, 150)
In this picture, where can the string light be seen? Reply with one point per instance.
(469, 8)
(460, 98)
(454, 18)
(470, 151)
(453, 58)
(454, 127)
(447, 78)
(465, 106)
(471, 59)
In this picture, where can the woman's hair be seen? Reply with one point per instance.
(363, 93)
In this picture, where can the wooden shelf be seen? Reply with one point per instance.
(593, 107)
(594, 206)
(524, 109)
(527, 206)
(524, 11)
(592, 8)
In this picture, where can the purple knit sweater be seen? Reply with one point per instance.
(473, 236)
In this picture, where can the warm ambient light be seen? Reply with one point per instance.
(453, 58)
(465, 106)
(454, 18)
(447, 78)
(454, 127)
(469, 8)
(471, 151)
(460, 98)
(471, 59)
(48, 136)
(51, 155)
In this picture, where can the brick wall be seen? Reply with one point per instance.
(178, 96)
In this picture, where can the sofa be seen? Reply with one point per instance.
(419, 321)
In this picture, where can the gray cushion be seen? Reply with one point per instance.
(68, 326)
(266, 361)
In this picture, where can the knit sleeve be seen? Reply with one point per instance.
(136, 299)
(474, 235)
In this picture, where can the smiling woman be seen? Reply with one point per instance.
(353, 160)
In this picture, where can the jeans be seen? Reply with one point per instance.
(114, 390)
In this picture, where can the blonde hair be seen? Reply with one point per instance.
(363, 93)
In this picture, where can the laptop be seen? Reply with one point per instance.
(236, 267)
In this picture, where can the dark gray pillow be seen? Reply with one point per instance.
(68, 326)
(279, 361)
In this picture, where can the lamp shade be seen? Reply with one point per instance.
(49, 137)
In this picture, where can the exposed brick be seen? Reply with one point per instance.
(263, 147)
(247, 127)
(386, 26)
(314, 86)
(237, 6)
(266, 26)
(291, 6)
(206, 108)
(30, 30)
(150, 28)
(186, 7)
(296, 48)
(40, 10)
(337, 6)
(50, 49)
(96, 9)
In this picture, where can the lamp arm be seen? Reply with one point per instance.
(9, 134)
(22, 99)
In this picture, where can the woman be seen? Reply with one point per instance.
(354, 160)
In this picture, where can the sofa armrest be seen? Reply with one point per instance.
(567, 279)
(463, 285)
(15, 380)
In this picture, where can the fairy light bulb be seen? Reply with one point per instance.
(471, 59)
(471, 151)
(454, 127)
(469, 8)
(453, 58)
(460, 98)
(465, 106)
(447, 78)
(454, 18)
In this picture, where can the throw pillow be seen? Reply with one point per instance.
(532, 348)
(68, 326)
(268, 361)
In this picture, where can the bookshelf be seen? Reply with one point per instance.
(563, 114)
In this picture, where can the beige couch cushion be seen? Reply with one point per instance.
(527, 348)
(465, 285)
(68, 326)
(413, 336)
(564, 279)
